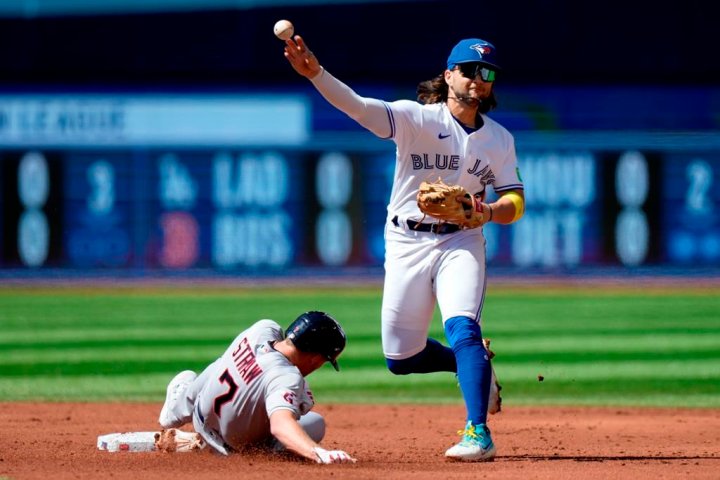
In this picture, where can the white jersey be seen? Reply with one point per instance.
(431, 143)
(246, 385)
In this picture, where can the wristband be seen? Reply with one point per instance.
(519, 204)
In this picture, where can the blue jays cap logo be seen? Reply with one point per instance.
(481, 49)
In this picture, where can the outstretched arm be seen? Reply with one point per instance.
(288, 431)
(368, 112)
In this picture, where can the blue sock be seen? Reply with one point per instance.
(473, 365)
(436, 357)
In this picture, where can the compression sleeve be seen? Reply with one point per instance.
(371, 113)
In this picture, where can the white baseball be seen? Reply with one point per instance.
(283, 29)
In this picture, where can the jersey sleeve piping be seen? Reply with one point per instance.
(283, 407)
(514, 186)
(391, 119)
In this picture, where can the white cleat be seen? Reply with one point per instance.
(476, 445)
(175, 389)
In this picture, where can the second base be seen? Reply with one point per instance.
(127, 442)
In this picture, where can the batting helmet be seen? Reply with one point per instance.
(318, 332)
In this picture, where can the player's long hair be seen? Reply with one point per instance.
(436, 91)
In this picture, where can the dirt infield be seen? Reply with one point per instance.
(40, 441)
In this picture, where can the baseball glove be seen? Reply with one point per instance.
(451, 203)
(174, 440)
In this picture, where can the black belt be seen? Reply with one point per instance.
(439, 228)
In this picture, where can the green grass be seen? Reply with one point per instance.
(592, 346)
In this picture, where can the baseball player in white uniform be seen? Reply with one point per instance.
(448, 135)
(256, 394)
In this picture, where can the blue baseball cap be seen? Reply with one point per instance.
(473, 50)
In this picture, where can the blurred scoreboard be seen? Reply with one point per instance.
(691, 209)
(189, 209)
(276, 208)
(180, 209)
(134, 187)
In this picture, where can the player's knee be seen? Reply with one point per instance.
(462, 331)
(314, 425)
(400, 367)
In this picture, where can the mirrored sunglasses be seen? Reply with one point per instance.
(472, 70)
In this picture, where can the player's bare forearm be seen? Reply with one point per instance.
(508, 209)
(301, 58)
(288, 431)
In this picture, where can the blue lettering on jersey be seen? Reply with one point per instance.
(438, 161)
(485, 174)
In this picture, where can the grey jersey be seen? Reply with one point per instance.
(246, 385)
